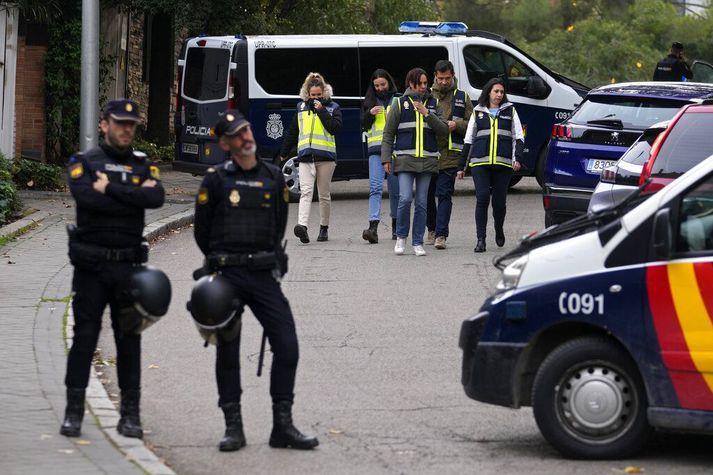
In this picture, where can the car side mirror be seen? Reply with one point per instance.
(536, 87)
(662, 234)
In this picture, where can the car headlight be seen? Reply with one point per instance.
(512, 273)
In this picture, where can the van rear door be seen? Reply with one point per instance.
(205, 90)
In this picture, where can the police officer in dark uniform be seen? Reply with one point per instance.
(112, 185)
(673, 67)
(240, 219)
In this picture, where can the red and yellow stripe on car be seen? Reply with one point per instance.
(681, 302)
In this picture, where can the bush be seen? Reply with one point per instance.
(34, 175)
(9, 200)
(156, 153)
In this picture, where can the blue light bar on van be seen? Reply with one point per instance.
(452, 28)
(418, 26)
(434, 27)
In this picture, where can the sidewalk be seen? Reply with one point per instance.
(35, 285)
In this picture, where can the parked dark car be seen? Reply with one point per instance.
(600, 130)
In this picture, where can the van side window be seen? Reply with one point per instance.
(695, 230)
(485, 62)
(398, 60)
(281, 71)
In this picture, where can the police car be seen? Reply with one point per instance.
(261, 76)
(604, 324)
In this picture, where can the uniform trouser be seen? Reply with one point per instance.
(376, 187)
(442, 187)
(262, 293)
(321, 172)
(93, 290)
(490, 181)
(406, 195)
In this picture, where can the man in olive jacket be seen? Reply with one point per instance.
(457, 109)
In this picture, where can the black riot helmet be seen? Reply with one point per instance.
(145, 299)
(215, 309)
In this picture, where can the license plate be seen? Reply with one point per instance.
(190, 148)
(595, 165)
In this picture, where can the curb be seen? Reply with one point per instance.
(17, 226)
(98, 401)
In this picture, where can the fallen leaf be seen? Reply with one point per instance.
(336, 431)
(45, 437)
(30, 184)
(153, 366)
(66, 451)
(633, 470)
(84, 442)
(10, 262)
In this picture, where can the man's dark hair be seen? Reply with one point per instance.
(445, 66)
(413, 76)
(484, 99)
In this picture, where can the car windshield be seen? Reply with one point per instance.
(632, 112)
(688, 143)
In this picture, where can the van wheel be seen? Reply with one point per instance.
(589, 400)
(514, 180)
(540, 167)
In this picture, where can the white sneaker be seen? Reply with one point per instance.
(399, 247)
(419, 250)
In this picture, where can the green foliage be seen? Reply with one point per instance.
(156, 153)
(37, 175)
(9, 200)
(41, 11)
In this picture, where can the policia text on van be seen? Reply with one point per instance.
(260, 76)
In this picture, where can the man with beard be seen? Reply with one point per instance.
(113, 185)
(240, 219)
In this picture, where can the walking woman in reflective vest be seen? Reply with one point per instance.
(374, 109)
(317, 121)
(494, 143)
(412, 124)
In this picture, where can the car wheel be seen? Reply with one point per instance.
(291, 172)
(589, 401)
(514, 180)
(540, 167)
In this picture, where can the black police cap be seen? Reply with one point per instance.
(230, 123)
(122, 109)
(677, 45)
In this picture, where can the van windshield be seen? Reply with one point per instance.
(206, 74)
(631, 112)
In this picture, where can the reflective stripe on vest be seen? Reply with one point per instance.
(455, 140)
(485, 150)
(414, 136)
(375, 135)
(313, 138)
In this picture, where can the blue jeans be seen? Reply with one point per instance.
(406, 180)
(442, 187)
(376, 186)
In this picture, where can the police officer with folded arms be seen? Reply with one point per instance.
(240, 220)
(113, 185)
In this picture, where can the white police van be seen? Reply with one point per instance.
(262, 75)
(604, 324)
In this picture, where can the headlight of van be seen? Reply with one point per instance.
(512, 273)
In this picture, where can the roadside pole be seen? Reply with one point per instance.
(89, 97)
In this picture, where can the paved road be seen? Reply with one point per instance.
(379, 375)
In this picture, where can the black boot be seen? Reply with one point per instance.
(393, 229)
(301, 232)
(499, 218)
(499, 237)
(323, 234)
(130, 422)
(480, 245)
(73, 414)
(371, 234)
(284, 434)
(234, 438)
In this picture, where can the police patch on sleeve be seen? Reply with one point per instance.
(202, 196)
(154, 172)
(76, 170)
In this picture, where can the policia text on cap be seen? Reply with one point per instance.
(112, 185)
(240, 219)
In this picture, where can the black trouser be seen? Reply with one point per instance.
(93, 290)
(262, 293)
(490, 180)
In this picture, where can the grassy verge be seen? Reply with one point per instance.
(14, 235)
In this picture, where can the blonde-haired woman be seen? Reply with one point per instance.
(317, 121)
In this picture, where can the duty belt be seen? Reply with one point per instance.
(126, 254)
(257, 260)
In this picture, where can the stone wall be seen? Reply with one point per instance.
(138, 89)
